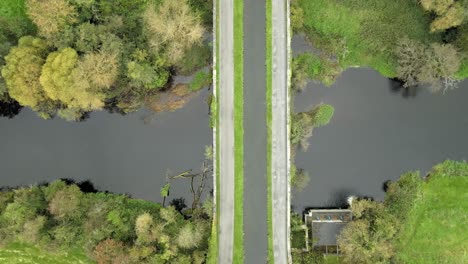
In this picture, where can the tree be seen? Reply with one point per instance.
(22, 71)
(190, 236)
(368, 238)
(303, 123)
(61, 81)
(434, 65)
(66, 203)
(402, 194)
(165, 192)
(449, 13)
(173, 27)
(143, 226)
(51, 16)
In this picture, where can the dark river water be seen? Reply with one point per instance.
(376, 134)
(123, 154)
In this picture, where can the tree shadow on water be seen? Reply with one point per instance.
(397, 87)
(9, 108)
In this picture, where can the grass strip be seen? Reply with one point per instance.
(214, 239)
(269, 82)
(238, 255)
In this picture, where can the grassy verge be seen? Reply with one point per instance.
(22, 253)
(238, 256)
(435, 231)
(200, 80)
(269, 76)
(214, 239)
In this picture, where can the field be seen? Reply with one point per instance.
(20, 253)
(436, 228)
(364, 32)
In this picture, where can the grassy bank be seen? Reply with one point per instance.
(269, 79)
(212, 257)
(238, 255)
(23, 253)
(364, 32)
(435, 231)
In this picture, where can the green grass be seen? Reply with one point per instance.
(269, 80)
(195, 58)
(22, 253)
(331, 259)
(200, 80)
(214, 239)
(436, 229)
(238, 255)
(365, 32)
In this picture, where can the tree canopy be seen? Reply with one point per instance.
(90, 55)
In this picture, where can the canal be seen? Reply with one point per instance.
(377, 133)
(255, 133)
(122, 154)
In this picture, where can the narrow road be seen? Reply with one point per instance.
(226, 130)
(255, 134)
(280, 133)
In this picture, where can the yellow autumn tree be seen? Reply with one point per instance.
(59, 79)
(173, 27)
(22, 70)
(51, 16)
(449, 13)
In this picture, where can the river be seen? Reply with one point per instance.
(122, 154)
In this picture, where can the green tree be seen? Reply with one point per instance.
(22, 71)
(368, 238)
(165, 192)
(67, 203)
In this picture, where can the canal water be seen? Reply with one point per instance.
(377, 133)
(255, 133)
(122, 154)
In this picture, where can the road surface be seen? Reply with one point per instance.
(226, 130)
(280, 132)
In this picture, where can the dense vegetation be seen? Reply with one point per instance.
(67, 58)
(420, 220)
(69, 224)
(419, 42)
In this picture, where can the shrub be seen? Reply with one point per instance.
(67, 203)
(200, 80)
(322, 114)
(110, 251)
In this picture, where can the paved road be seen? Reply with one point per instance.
(280, 133)
(226, 130)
